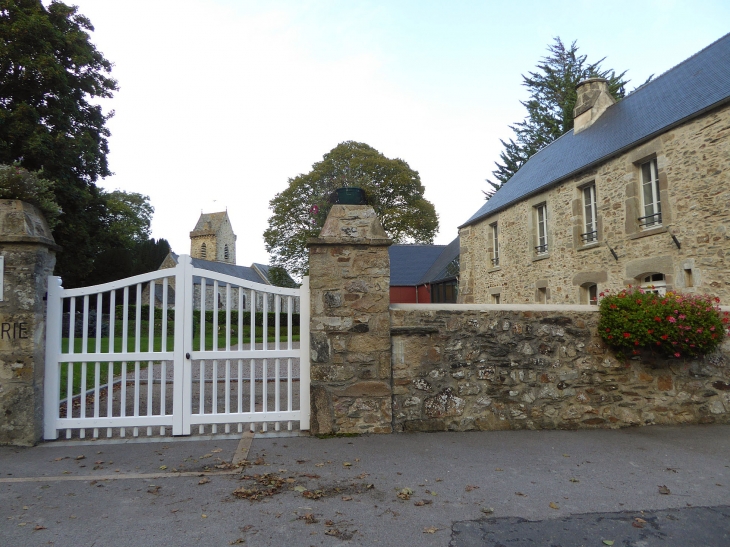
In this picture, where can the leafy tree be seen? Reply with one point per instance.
(393, 189)
(550, 106)
(129, 216)
(50, 73)
(279, 277)
(126, 247)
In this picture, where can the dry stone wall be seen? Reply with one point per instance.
(521, 367)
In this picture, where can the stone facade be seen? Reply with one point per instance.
(28, 249)
(514, 367)
(350, 324)
(213, 238)
(693, 164)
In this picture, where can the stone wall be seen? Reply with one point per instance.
(29, 256)
(492, 367)
(693, 163)
(349, 272)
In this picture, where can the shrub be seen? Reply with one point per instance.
(28, 186)
(675, 324)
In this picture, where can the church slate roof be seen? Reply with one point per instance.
(693, 87)
(409, 263)
(242, 272)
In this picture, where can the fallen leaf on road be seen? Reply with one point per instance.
(566, 456)
(347, 464)
(203, 516)
(217, 450)
(405, 493)
(574, 480)
(422, 503)
(318, 465)
(163, 467)
(81, 457)
(39, 527)
(470, 487)
(153, 489)
(608, 542)
(499, 469)
(302, 461)
(664, 490)
(299, 488)
(519, 494)
(488, 510)
(206, 480)
(237, 541)
(554, 505)
(430, 530)
(346, 498)
(309, 518)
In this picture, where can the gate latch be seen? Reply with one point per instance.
(187, 356)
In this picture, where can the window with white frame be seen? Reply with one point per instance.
(655, 283)
(541, 229)
(650, 200)
(590, 224)
(495, 245)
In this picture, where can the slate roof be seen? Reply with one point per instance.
(693, 87)
(438, 269)
(413, 265)
(409, 263)
(242, 272)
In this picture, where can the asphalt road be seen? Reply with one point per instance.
(508, 488)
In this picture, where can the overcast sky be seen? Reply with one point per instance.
(222, 101)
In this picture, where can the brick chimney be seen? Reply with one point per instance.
(593, 100)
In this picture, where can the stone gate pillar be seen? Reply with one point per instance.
(28, 255)
(349, 276)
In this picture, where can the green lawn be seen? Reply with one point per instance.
(144, 346)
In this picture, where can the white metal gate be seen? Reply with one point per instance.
(192, 358)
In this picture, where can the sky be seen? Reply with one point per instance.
(221, 102)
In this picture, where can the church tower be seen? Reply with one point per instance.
(213, 238)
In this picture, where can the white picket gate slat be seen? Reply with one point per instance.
(209, 383)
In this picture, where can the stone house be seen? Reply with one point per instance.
(424, 274)
(637, 193)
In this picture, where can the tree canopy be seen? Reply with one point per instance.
(393, 189)
(550, 106)
(50, 74)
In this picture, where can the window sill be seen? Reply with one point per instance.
(494, 269)
(588, 246)
(649, 232)
(536, 258)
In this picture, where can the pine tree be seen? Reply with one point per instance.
(550, 106)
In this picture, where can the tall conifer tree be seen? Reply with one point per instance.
(550, 106)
